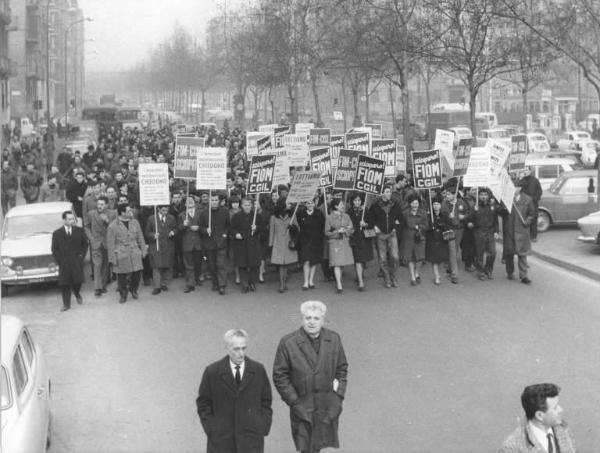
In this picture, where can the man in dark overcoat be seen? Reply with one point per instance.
(214, 241)
(69, 246)
(160, 236)
(234, 400)
(310, 373)
(191, 245)
(246, 244)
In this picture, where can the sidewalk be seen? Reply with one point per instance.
(560, 246)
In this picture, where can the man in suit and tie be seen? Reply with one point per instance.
(234, 400)
(544, 430)
(309, 372)
(191, 245)
(69, 246)
(160, 235)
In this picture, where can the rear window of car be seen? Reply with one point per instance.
(5, 397)
(537, 138)
(548, 171)
(21, 376)
(582, 135)
(27, 347)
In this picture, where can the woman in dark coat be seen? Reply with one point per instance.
(436, 249)
(246, 244)
(413, 238)
(311, 223)
(362, 247)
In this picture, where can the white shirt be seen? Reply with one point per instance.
(242, 366)
(541, 436)
(68, 230)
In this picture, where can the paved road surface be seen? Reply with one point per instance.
(431, 368)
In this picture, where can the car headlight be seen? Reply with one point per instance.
(7, 261)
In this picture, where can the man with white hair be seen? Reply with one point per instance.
(309, 373)
(234, 400)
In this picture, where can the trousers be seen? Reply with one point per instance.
(216, 266)
(66, 293)
(509, 262)
(387, 244)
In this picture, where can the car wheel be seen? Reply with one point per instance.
(4, 292)
(543, 221)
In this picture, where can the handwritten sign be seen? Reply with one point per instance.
(211, 169)
(186, 149)
(154, 184)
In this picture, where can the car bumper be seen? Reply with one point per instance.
(587, 239)
(12, 278)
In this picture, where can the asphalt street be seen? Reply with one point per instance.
(432, 368)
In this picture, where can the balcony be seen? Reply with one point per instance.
(4, 12)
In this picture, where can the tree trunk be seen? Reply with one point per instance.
(525, 93)
(272, 102)
(345, 101)
(473, 109)
(391, 91)
(367, 116)
(356, 122)
(203, 105)
(315, 91)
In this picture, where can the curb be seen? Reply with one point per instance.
(568, 266)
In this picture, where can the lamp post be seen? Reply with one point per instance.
(67, 28)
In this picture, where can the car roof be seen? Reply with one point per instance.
(10, 327)
(39, 208)
(580, 173)
(537, 160)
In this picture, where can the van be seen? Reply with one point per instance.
(547, 169)
(24, 124)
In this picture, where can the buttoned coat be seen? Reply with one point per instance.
(235, 420)
(304, 379)
(190, 240)
(164, 256)
(516, 239)
(279, 239)
(219, 230)
(246, 251)
(126, 246)
(522, 440)
(69, 252)
(96, 227)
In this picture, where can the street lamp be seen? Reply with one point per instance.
(67, 28)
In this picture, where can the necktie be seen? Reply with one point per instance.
(68, 231)
(238, 376)
(550, 443)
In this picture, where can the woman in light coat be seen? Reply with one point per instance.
(338, 229)
(279, 240)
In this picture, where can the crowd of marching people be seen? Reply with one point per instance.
(336, 231)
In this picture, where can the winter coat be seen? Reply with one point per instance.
(48, 193)
(310, 236)
(219, 229)
(190, 239)
(246, 251)
(522, 440)
(340, 253)
(362, 247)
(386, 216)
(304, 379)
(126, 246)
(69, 252)
(515, 228)
(164, 256)
(30, 185)
(411, 251)
(279, 239)
(96, 227)
(74, 192)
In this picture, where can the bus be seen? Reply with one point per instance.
(130, 117)
(105, 117)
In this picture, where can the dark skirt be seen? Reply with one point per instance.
(436, 249)
(362, 247)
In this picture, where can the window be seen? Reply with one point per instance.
(20, 371)
(5, 397)
(548, 171)
(575, 186)
(27, 347)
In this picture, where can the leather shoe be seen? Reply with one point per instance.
(155, 291)
(79, 299)
(252, 287)
(526, 281)
(245, 289)
(340, 291)
(304, 288)
(189, 289)
(164, 288)
(64, 308)
(222, 290)
(98, 293)
(123, 299)
(134, 294)
(510, 277)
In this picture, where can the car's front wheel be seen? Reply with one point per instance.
(543, 221)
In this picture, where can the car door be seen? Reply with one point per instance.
(575, 200)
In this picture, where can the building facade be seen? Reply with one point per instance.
(5, 67)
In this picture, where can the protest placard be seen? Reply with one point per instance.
(296, 147)
(320, 160)
(154, 184)
(478, 171)
(186, 149)
(303, 129)
(427, 169)
(336, 144)
(400, 159)
(278, 134)
(346, 169)
(360, 140)
(260, 177)
(385, 149)
(369, 175)
(304, 186)
(518, 152)
(504, 189)
(281, 175)
(461, 157)
(264, 144)
(499, 152)
(252, 143)
(444, 141)
(376, 130)
(211, 167)
(319, 137)
(268, 129)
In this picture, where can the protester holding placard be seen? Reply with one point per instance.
(214, 230)
(246, 244)
(311, 224)
(484, 221)
(338, 229)
(160, 233)
(191, 245)
(457, 210)
(361, 240)
(413, 238)
(280, 240)
(436, 247)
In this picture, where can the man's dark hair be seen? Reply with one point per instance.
(122, 208)
(335, 202)
(533, 398)
(103, 198)
(65, 214)
(400, 178)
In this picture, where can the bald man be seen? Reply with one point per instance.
(309, 373)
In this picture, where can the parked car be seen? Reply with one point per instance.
(589, 150)
(460, 132)
(537, 143)
(571, 196)
(27, 244)
(590, 228)
(501, 135)
(568, 140)
(25, 391)
(546, 169)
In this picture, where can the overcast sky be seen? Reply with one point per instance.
(124, 30)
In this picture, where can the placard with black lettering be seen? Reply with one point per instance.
(260, 177)
(320, 160)
(518, 153)
(359, 140)
(385, 149)
(337, 143)
(462, 156)
(278, 134)
(346, 169)
(319, 137)
(186, 149)
(427, 169)
(370, 175)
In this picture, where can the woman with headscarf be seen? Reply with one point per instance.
(413, 238)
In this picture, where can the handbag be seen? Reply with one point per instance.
(292, 245)
(448, 235)
(418, 237)
(369, 232)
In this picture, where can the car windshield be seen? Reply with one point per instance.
(537, 138)
(24, 226)
(583, 135)
(499, 134)
(6, 400)
(556, 184)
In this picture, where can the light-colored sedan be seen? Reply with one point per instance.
(589, 151)
(537, 143)
(27, 243)
(590, 228)
(25, 391)
(570, 139)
